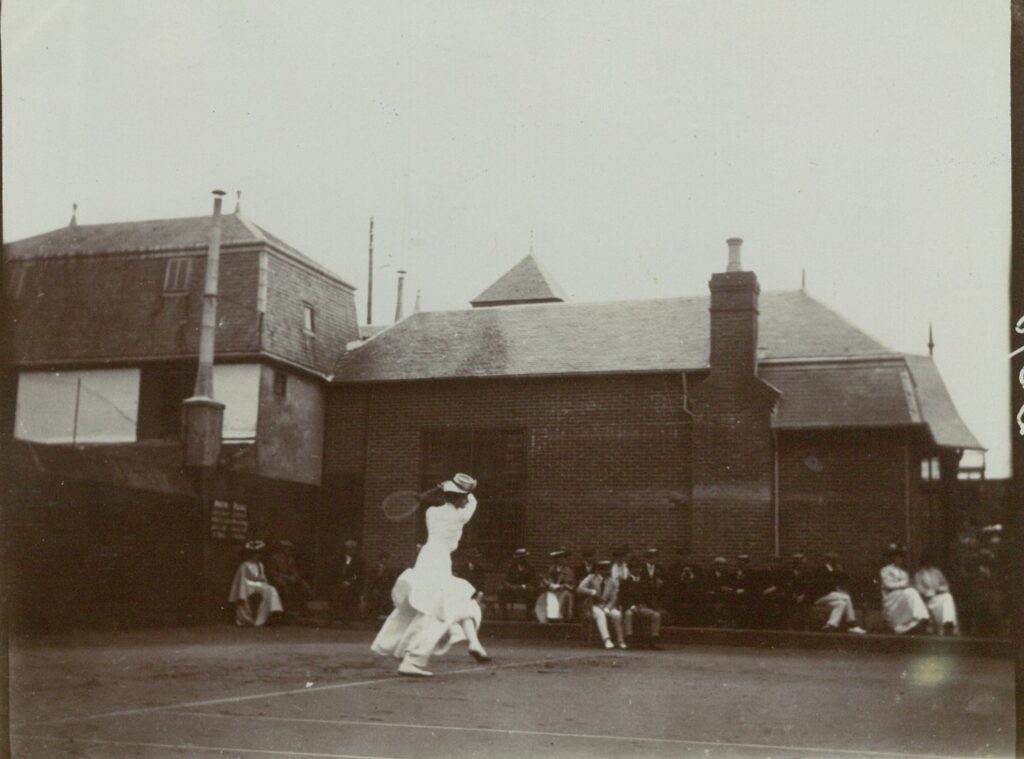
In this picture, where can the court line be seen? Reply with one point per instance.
(549, 734)
(293, 691)
(190, 747)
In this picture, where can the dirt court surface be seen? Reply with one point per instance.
(306, 692)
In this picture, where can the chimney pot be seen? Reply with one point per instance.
(734, 244)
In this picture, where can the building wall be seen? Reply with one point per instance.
(607, 457)
(289, 286)
(848, 491)
(291, 428)
(103, 307)
(90, 406)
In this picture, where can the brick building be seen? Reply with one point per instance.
(738, 422)
(103, 332)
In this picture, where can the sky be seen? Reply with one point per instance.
(866, 144)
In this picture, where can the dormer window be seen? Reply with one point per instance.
(177, 275)
(307, 318)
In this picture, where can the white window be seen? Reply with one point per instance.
(177, 275)
(237, 386)
(307, 317)
(96, 406)
(930, 469)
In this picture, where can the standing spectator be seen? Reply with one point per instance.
(934, 589)
(559, 585)
(638, 596)
(349, 578)
(831, 589)
(283, 573)
(254, 598)
(600, 593)
(520, 585)
(380, 580)
(902, 606)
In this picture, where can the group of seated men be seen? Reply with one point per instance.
(615, 593)
(612, 594)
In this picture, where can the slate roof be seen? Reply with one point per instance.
(190, 233)
(526, 282)
(831, 375)
(581, 338)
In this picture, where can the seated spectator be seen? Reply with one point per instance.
(796, 584)
(558, 583)
(254, 598)
(902, 607)
(348, 583)
(520, 585)
(587, 564)
(686, 590)
(719, 591)
(743, 591)
(600, 592)
(638, 597)
(473, 571)
(283, 574)
(831, 589)
(381, 579)
(772, 595)
(931, 584)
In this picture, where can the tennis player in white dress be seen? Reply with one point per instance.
(434, 609)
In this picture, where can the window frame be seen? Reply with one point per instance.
(175, 283)
(308, 318)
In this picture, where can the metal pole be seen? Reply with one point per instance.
(78, 398)
(369, 284)
(208, 330)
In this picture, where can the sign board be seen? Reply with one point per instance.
(229, 521)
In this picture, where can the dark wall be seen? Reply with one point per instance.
(291, 426)
(104, 307)
(606, 457)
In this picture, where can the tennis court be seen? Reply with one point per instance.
(304, 692)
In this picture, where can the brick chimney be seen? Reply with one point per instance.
(732, 465)
(734, 314)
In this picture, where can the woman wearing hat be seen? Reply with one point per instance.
(902, 606)
(250, 587)
(433, 608)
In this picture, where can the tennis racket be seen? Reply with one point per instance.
(400, 505)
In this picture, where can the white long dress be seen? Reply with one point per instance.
(250, 580)
(901, 604)
(430, 603)
(934, 589)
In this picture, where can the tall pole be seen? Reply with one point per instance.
(78, 398)
(369, 285)
(208, 329)
(399, 313)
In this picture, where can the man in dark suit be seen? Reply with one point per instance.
(348, 578)
(830, 587)
(638, 594)
(520, 585)
(472, 571)
(685, 591)
(380, 581)
(743, 591)
(719, 591)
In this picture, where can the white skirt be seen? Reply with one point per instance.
(430, 605)
(903, 609)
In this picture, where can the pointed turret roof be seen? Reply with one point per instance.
(526, 282)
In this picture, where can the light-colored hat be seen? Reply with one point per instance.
(520, 553)
(604, 564)
(743, 556)
(350, 544)
(460, 483)
(286, 544)
(652, 551)
(255, 545)
(559, 552)
(719, 560)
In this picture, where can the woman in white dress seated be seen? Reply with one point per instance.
(902, 607)
(934, 589)
(433, 608)
(254, 598)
